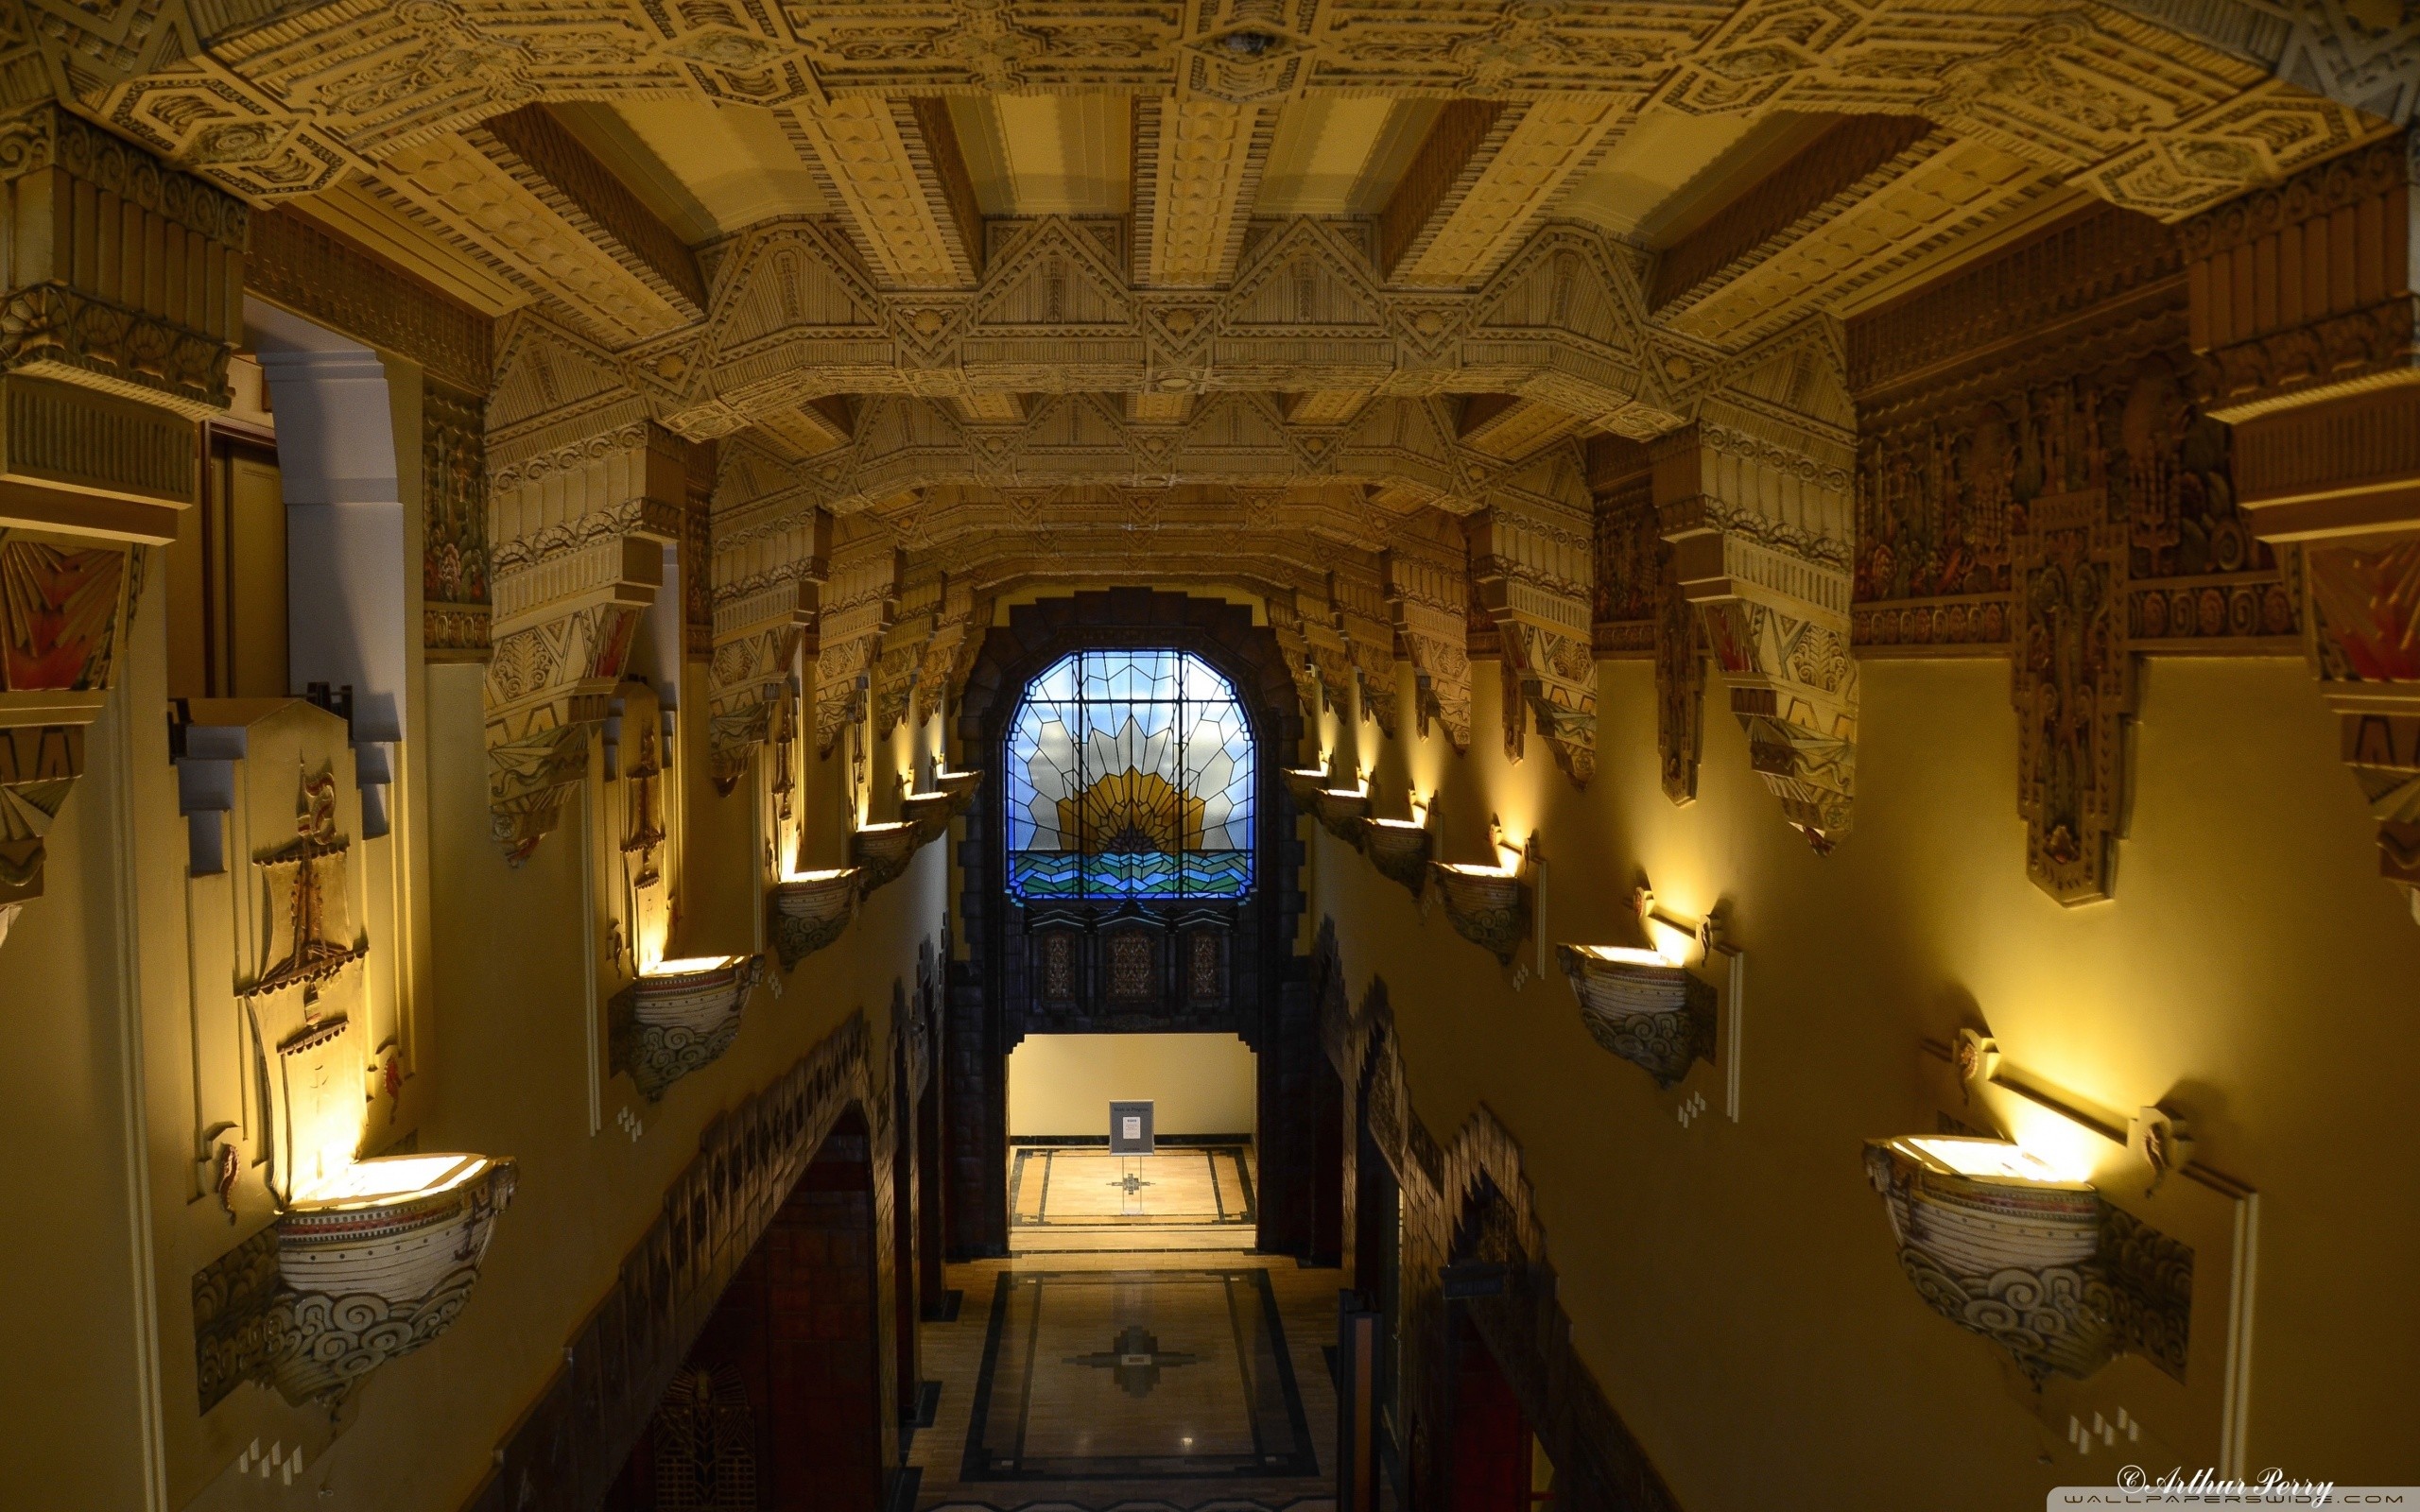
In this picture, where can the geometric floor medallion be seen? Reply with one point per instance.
(1128, 1375)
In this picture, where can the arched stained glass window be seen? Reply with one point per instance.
(1130, 775)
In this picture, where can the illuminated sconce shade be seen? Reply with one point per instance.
(1488, 906)
(1304, 785)
(2001, 1244)
(882, 852)
(1399, 848)
(366, 1268)
(809, 910)
(1642, 1005)
(1342, 811)
(680, 1016)
(961, 786)
(928, 814)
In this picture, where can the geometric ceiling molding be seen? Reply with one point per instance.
(270, 111)
(794, 315)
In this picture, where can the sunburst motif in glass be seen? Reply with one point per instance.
(1130, 775)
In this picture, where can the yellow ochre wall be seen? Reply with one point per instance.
(98, 1274)
(1734, 1287)
(1060, 1084)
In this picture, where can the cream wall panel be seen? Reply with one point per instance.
(2252, 967)
(1062, 1084)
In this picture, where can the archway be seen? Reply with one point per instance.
(1132, 873)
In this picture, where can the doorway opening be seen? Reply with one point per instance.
(1123, 1142)
(779, 1406)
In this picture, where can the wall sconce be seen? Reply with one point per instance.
(680, 1016)
(882, 852)
(961, 786)
(366, 1268)
(928, 814)
(1488, 906)
(1644, 1007)
(1303, 785)
(1342, 809)
(1400, 850)
(2004, 1244)
(809, 910)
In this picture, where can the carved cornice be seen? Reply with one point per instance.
(2312, 290)
(303, 267)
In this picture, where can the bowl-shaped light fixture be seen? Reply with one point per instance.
(2001, 1243)
(882, 852)
(1643, 1006)
(961, 786)
(373, 1264)
(1488, 906)
(1304, 785)
(1399, 848)
(1342, 809)
(928, 813)
(684, 1014)
(810, 909)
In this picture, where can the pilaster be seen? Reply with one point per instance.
(121, 294)
(2305, 313)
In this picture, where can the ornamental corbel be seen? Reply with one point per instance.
(1357, 606)
(1760, 532)
(579, 531)
(767, 595)
(1428, 599)
(1534, 569)
(860, 602)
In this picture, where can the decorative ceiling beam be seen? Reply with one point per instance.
(794, 318)
(2170, 110)
(905, 446)
(1196, 170)
(547, 159)
(896, 167)
(1509, 428)
(503, 207)
(1484, 180)
(1860, 203)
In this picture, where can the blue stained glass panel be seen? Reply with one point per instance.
(1130, 775)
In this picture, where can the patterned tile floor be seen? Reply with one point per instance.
(1063, 1199)
(1135, 1380)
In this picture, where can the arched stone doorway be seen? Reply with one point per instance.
(1206, 945)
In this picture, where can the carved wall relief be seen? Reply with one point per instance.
(453, 524)
(2073, 682)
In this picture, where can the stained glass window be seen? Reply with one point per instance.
(1130, 775)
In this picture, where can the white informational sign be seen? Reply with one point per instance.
(1133, 1128)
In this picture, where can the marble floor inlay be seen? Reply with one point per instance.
(1164, 1373)
(1209, 1186)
